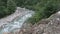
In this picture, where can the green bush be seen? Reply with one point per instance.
(44, 9)
(11, 6)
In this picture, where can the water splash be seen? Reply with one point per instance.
(16, 24)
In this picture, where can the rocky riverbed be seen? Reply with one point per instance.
(14, 21)
(19, 12)
(49, 25)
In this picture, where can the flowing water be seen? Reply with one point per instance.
(16, 24)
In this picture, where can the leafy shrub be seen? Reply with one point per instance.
(44, 9)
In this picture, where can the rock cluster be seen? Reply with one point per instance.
(50, 25)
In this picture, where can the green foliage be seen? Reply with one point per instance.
(6, 7)
(43, 8)
(11, 6)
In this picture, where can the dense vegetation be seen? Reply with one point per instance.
(6, 7)
(43, 8)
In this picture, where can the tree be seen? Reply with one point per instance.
(11, 6)
(7, 7)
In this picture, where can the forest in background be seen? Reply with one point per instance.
(43, 8)
(7, 7)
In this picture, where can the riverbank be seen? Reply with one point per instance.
(49, 25)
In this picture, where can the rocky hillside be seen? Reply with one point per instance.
(50, 25)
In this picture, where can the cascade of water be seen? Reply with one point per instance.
(16, 24)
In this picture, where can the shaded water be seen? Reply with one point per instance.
(16, 24)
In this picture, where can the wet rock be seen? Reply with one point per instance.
(26, 28)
